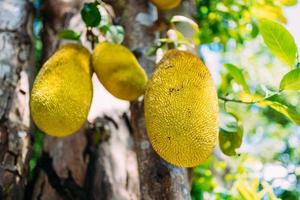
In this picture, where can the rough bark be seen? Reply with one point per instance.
(98, 162)
(16, 71)
(115, 168)
(158, 179)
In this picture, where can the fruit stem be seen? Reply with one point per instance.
(91, 37)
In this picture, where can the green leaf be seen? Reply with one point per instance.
(238, 76)
(289, 2)
(179, 18)
(291, 81)
(278, 39)
(90, 14)
(104, 29)
(69, 34)
(286, 110)
(115, 34)
(267, 11)
(231, 135)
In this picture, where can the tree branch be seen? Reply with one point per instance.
(237, 101)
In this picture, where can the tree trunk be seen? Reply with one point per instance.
(158, 179)
(16, 72)
(98, 162)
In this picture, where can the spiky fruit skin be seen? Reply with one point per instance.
(181, 109)
(119, 71)
(62, 91)
(166, 4)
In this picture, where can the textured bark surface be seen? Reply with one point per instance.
(158, 179)
(98, 162)
(16, 72)
(115, 170)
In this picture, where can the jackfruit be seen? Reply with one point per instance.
(62, 91)
(119, 71)
(166, 4)
(181, 109)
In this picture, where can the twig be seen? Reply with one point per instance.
(91, 37)
(237, 101)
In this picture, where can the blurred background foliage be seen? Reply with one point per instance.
(38, 135)
(264, 160)
(222, 21)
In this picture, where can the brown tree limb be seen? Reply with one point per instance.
(158, 179)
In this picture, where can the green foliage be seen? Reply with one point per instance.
(114, 34)
(251, 191)
(238, 76)
(178, 18)
(289, 2)
(222, 21)
(280, 42)
(95, 15)
(90, 14)
(268, 114)
(290, 195)
(69, 34)
(286, 110)
(231, 135)
(202, 180)
(36, 152)
(38, 135)
(291, 81)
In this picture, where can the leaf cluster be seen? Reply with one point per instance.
(231, 20)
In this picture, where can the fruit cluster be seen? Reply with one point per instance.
(181, 109)
(62, 92)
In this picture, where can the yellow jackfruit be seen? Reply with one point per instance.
(181, 109)
(119, 71)
(62, 91)
(166, 4)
